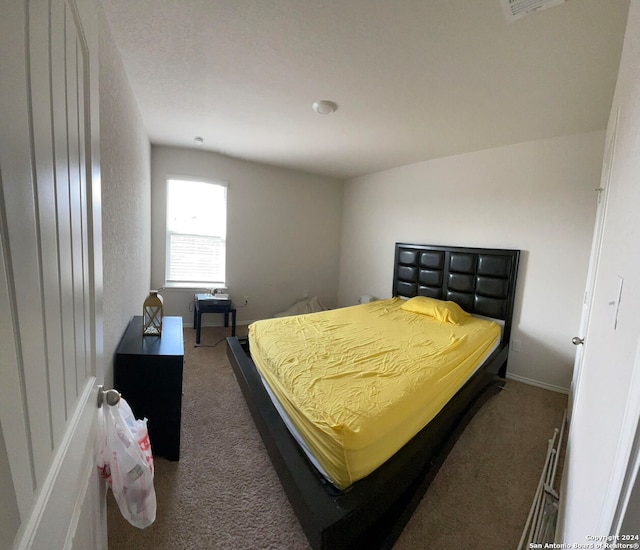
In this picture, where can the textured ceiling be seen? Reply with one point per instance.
(413, 79)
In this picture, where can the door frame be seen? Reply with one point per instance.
(594, 259)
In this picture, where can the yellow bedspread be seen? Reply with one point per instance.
(359, 382)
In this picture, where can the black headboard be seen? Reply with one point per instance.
(480, 280)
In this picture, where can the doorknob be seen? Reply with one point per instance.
(576, 340)
(110, 396)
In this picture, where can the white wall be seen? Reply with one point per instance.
(283, 232)
(537, 197)
(126, 198)
(607, 402)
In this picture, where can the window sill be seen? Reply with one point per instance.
(191, 286)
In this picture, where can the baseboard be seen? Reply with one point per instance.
(542, 385)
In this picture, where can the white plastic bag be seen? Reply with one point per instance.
(126, 463)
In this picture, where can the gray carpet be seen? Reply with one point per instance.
(224, 493)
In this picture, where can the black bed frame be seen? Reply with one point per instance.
(373, 511)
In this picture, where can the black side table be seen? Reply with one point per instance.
(213, 306)
(148, 374)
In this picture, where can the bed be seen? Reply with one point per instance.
(371, 510)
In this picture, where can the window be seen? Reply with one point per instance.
(196, 233)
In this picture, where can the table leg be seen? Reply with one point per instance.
(198, 325)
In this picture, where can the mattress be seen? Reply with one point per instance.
(357, 383)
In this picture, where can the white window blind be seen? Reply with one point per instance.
(196, 233)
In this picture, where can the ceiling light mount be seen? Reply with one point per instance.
(198, 140)
(324, 107)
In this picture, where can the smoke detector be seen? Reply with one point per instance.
(517, 9)
(324, 107)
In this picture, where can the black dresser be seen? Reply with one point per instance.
(148, 374)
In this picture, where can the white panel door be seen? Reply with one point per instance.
(50, 270)
(596, 247)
